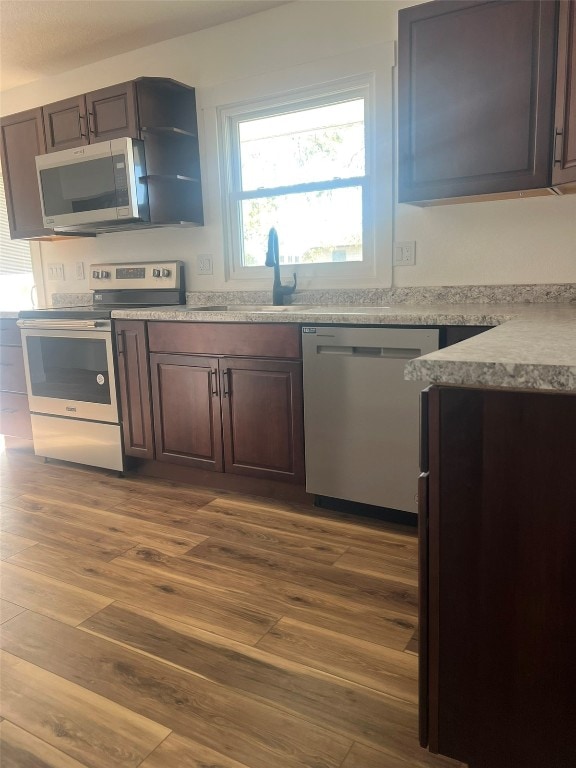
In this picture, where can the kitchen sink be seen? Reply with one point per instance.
(262, 308)
(312, 308)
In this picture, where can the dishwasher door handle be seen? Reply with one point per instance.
(387, 353)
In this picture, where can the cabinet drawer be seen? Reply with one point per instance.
(15, 416)
(258, 340)
(10, 333)
(12, 377)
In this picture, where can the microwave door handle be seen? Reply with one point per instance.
(61, 325)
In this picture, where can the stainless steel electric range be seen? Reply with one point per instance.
(69, 362)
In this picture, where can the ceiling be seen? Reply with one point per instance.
(39, 38)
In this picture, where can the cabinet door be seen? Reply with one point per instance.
(111, 113)
(187, 422)
(564, 169)
(134, 379)
(475, 84)
(22, 140)
(65, 124)
(14, 415)
(262, 418)
(12, 376)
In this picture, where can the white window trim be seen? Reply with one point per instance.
(371, 69)
(228, 118)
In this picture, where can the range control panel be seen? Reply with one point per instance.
(150, 274)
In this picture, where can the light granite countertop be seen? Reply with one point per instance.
(531, 347)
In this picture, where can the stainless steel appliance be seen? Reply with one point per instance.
(361, 417)
(69, 362)
(94, 188)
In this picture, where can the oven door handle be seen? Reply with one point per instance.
(62, 325)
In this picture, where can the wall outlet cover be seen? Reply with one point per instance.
(404, 254)
(56, 272)
(204, 264)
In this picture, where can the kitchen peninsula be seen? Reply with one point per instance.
(497, 521)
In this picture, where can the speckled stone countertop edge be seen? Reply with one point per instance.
(530, 347)
(405, 315)
(493, 375)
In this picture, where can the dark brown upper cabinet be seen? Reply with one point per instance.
(22, 139)
(109, 113)
(160, 111)
(564, 169)
(476, 85)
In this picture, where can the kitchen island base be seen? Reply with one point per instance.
(497, 554)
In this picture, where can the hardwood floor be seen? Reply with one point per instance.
(145, 623)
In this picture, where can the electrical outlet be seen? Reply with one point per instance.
(56, 272)
(80, 270)
(404, 254)
(204, 265)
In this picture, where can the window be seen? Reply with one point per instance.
(309, 151)
(300, 169)
(16, 278)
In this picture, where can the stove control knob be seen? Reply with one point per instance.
(155, 273)
(104, 274)
(165, 273)
(96, 274)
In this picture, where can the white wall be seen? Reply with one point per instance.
(504, 242)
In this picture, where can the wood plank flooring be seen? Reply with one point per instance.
(145, 623)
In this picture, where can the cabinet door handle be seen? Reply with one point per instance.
(8, 410)
(226, 382)
(557, 159)
(80, 118)
(214, 382)
(91, 123)
(120, 343)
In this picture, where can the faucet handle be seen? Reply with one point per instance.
(287, 290)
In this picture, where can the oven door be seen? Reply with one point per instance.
(70, 372)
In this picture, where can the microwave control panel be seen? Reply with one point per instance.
(150, 274)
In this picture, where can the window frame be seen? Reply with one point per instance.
(374, 66)
(298, 101)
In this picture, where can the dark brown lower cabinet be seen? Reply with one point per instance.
(240, 416)
(498, 548)
(190, 402)
(262, 423)
(14, 412)
(187, 423)
(134, 380)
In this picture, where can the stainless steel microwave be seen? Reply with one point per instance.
(97, 187)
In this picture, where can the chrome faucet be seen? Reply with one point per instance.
(279, 291)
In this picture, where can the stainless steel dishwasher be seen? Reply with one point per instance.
(361, 417)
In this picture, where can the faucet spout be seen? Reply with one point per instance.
(279, 291)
